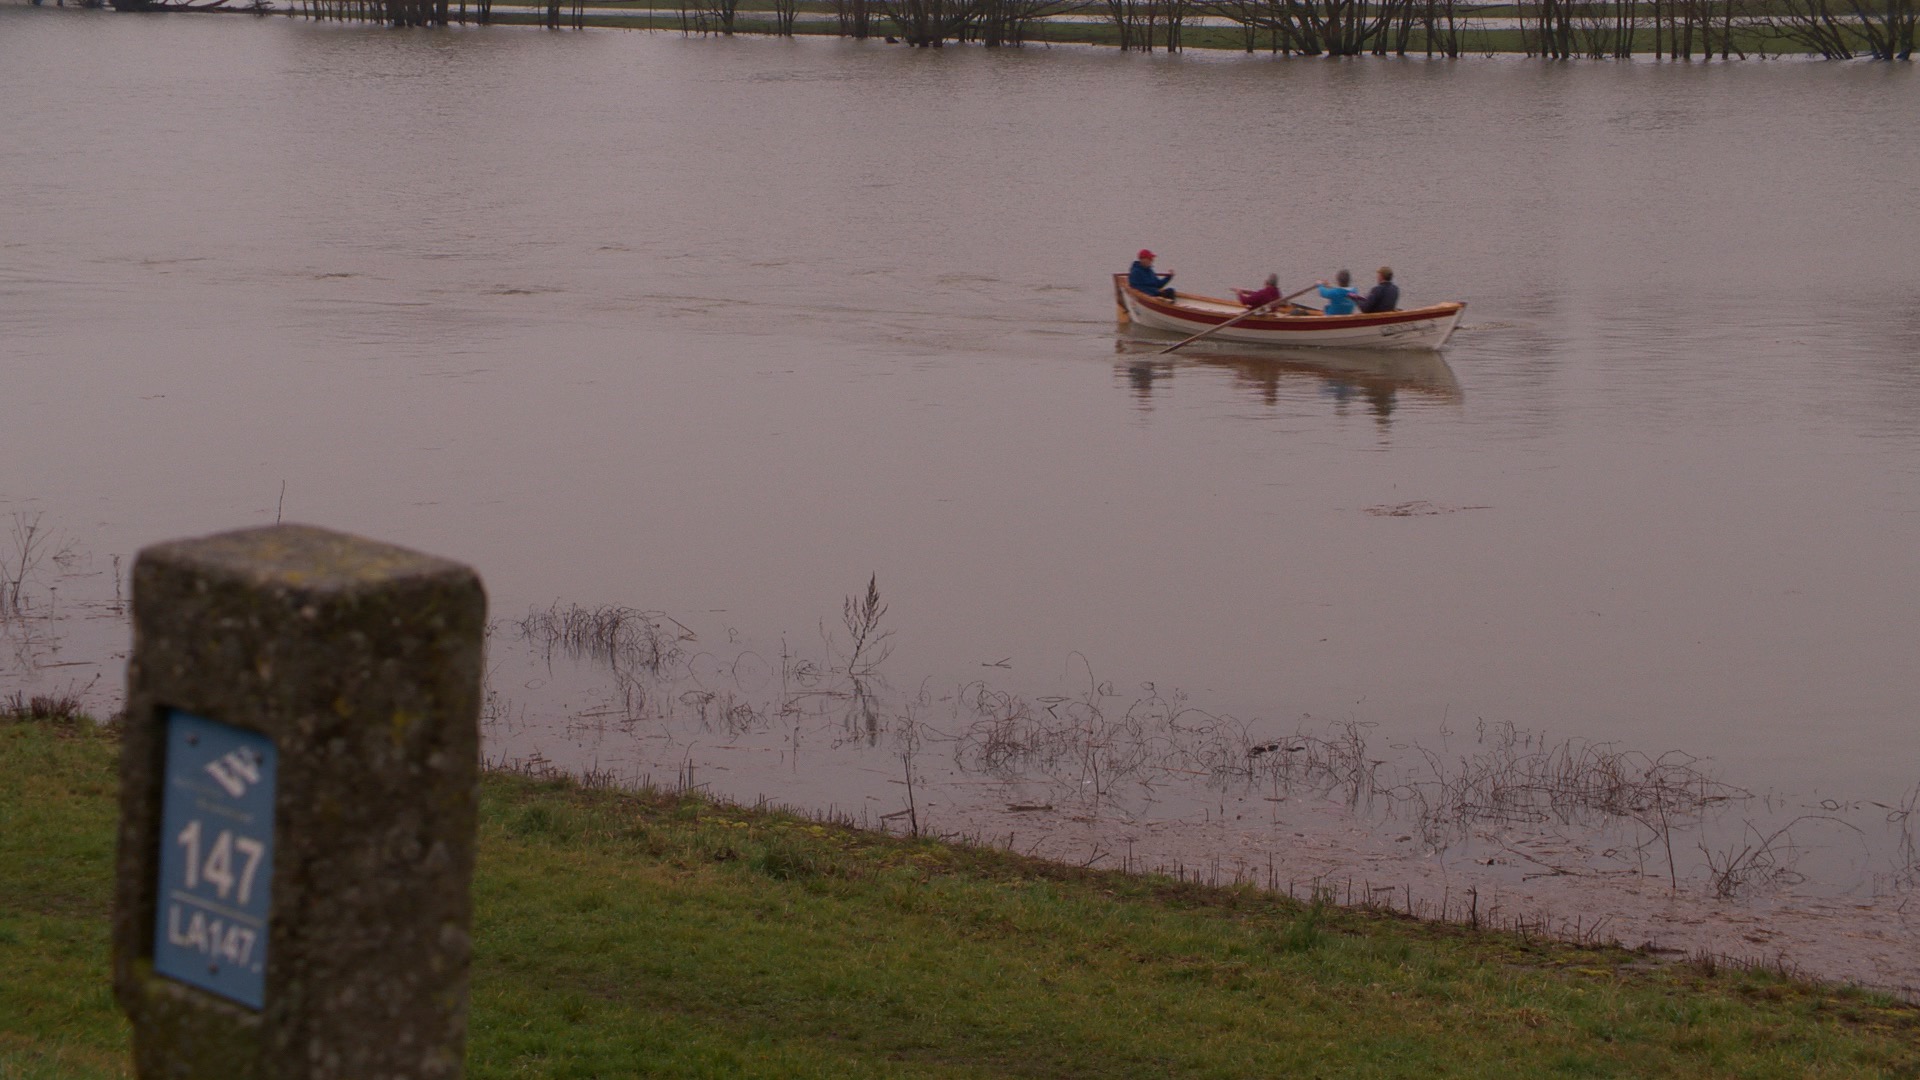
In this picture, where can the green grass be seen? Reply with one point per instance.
(57, 813)
(622, 934)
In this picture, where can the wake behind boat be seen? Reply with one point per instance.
(1416, 328)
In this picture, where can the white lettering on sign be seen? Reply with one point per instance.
(218, 939)
(217, 870)
(235, 771)
(215, 880)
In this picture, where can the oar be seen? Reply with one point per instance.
(1247, 314)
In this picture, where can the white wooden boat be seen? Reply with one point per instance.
(1415, 328)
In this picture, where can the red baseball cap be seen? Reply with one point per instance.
(1145, 254)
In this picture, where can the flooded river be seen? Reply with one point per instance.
(722, 330)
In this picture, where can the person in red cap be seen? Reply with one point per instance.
(1142, 277)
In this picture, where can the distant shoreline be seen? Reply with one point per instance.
(1763, 30)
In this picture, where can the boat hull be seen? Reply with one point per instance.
(1416, 328)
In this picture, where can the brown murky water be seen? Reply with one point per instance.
(723, 328)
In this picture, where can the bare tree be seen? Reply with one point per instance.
(1889, 31)
(1248, 15)
(1812, 24)
(1272, 18)
(854, 17)
(708, 16)
(1173, 15)
(1443, 29)
(1550, 32)
(1007, 22)
(1341, 27)
(930, 23)
(1134, 20)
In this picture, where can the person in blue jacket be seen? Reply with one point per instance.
(1141, 276)
(1340, 295)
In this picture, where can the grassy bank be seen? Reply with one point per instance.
(620, 935)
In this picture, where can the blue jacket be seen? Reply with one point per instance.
(1142, 277)
(1339, 299)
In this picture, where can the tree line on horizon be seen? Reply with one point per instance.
(1551, 29)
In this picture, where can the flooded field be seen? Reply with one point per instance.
(1605, 614)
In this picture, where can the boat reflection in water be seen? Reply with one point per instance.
(1375, 377)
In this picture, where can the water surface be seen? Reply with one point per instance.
(723, 329)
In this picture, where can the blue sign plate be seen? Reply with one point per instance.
(216, 858)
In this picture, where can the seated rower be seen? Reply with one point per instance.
(1340, 295)
(1141, 276)
(1262, 296)
(1385, 295)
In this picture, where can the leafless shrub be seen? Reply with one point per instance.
(28, 547)
(906, 741)
(621, 637)
(725, 711)
(1335, 761)
(535, 766)
(1515, 777)
(1905, 819)
(1756, 860)
(594, 778)
(1096, 741)
(1077, 738)
(50, 708)
(869, 646)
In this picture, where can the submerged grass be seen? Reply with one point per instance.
(654, 934)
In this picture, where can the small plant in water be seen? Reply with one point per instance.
(29, 544)
(870, 645)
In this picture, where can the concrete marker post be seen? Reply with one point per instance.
(299, 784)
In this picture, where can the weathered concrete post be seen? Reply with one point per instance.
(298, 786)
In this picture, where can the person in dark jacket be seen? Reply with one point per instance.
(1141, 276)
(1385, 295)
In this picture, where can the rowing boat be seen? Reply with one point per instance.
(1415, 328)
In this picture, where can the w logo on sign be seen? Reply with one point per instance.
(235, 771)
